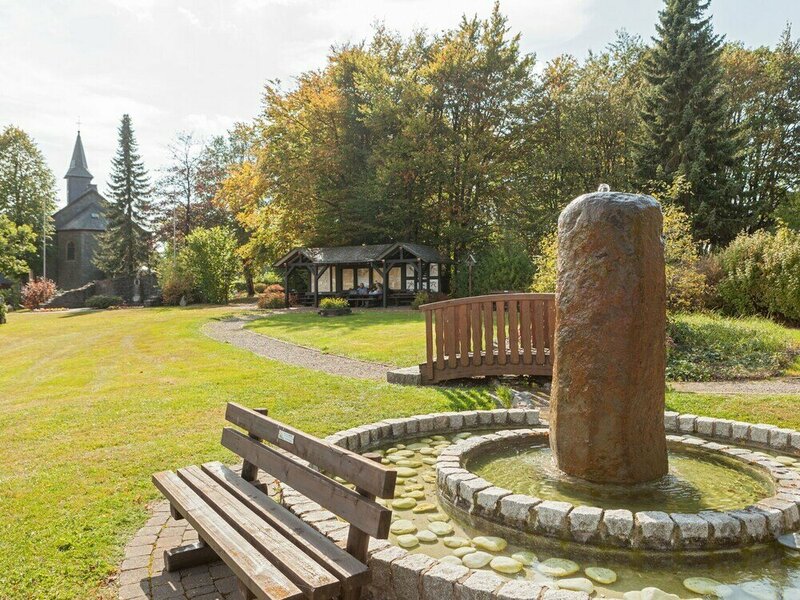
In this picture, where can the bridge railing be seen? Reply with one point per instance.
(500, 334)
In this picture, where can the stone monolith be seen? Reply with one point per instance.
(607, 412)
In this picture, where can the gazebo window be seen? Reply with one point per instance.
(70, 250)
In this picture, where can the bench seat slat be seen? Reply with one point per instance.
(315, 582)
(351, 572)
(361, 472)
(249, 565)
(364, 514)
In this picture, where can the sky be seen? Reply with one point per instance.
(200, 65)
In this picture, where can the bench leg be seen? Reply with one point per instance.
(189, 555)
(174, 513)
(244, 591)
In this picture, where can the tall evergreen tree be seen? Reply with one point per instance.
(687, 132)
(125, 245)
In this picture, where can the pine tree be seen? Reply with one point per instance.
(125, 245)
(686, 123)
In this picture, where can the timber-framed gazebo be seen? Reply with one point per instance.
(401, 269)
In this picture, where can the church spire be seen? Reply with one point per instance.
(78, 176)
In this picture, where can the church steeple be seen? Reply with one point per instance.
(78, 177)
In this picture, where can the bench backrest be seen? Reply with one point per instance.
(358, 507)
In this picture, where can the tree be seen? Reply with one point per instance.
(16, 243)
(125, 246)
(27, 187)
(686, 126)
(209, 257)
(178, 187)
(763, 87)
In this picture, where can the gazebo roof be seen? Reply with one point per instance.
(362, 254)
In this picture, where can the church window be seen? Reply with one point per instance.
(70, 250)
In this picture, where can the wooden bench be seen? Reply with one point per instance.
(274, 554)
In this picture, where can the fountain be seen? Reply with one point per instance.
(613, 496)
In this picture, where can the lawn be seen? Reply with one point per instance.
(93, 403)
(391, 337)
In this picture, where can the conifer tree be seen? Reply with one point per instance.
(686, 123)
(125, 245)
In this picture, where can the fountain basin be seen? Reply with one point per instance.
(613, 525)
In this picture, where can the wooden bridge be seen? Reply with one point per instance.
(501, 334)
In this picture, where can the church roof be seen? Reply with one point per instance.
(86, 212)
(78, 166)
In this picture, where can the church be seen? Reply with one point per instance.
(78, 226)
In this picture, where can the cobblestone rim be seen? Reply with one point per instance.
(396, 573)
(646, 530)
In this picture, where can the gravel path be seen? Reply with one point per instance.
(231, 331)
(777, 385)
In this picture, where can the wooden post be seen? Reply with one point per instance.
(316, 285)
(385, 282)
(357, 540)
(419, 274)
(286, 286)
(249, 470)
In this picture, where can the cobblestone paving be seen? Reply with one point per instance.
(142, 575)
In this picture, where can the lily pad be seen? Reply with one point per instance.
(451, 560)
(404, 503)
(439, 516)
(601, 575)
(476, 560)
(490, 543)
(526, 558)
(504, 564)
(416, 495)
(407, 541)
(412, 487)
(426, 451)
(402, 526)
(406, 472)
(427, 536)
(423, 507)
(429, 460)
(455, 542)
(463, 551)
(390, 451)
(576, 584)
(416, 446)
(438, 438)
(409, 462)
(558, 567)
(653, 593)
(441, 529)
(704, 586)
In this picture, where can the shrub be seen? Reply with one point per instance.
(271, 300)
(37, 292)
(505, 394)
(762, 274)
(504, 265)
(209, 256)
(260, 287)
(275, 288)
(101, 301)
(3, 310)
(544, 281)
(174, 281)
(702, 347)
(333, 303)
(420, 299)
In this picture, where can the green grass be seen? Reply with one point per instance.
(707, 346)
(93, 403)
(392, 337)
(780, 410)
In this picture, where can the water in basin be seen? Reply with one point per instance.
(696, 481)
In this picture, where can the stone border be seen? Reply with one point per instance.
(591, 525)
